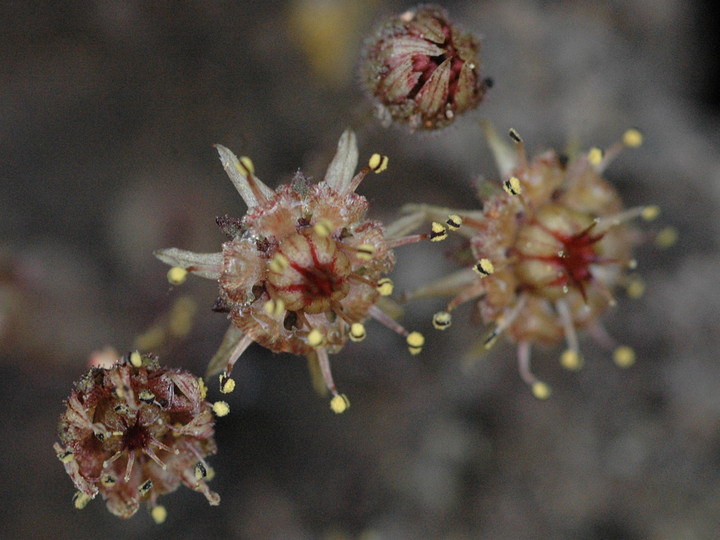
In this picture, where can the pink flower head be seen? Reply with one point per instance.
(550, 249)
(304, 268)
(135, 431)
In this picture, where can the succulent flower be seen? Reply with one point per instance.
(421, 70)
(135, 431)
(550, 249)
(303, 269)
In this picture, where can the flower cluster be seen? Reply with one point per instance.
(303, 269)
(421, 70)
(550, 248)
(135, 431)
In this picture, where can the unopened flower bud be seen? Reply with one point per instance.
(422, 70)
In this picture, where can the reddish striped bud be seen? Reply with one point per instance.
(421, 70)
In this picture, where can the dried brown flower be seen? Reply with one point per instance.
(551, 247)
(135, 431)
(421, 70)
(304, 268)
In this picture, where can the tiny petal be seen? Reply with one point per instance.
(343, 165)
(205, 265)
(238, 176)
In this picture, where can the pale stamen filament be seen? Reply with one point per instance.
(324, 363)
(380, 316)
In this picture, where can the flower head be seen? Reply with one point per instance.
(304, 268)
(550, 249)
(135, 431)
(422, 70)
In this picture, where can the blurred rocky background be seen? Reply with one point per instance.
(108, 113)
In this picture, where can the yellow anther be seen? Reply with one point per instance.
(415, 341)
(221, 408)
(385, 286)
(484, 267)
(490, 340)
(274, 307)
(650, 213)
(571, 360)
(339, 403)
(357, 332)
(595, 155)
(512, 186)
(666, 238)
(541, 390)
(80, 500)
(442, 320)
(624, 356)
(247, 167)
(635, 288)
(315, 338)
(145, 487)
(378, 163)
(438, 232)
(159, 514)
(279, 263)
(200, 471)
(632, 138)
(146, 396)
(177, 275)
(515, 136)
(108, 480)
(323, 227)
(66, 456)
(454, 222)
(135, 359)
(227, 384)
(365, 252)
(202, 388)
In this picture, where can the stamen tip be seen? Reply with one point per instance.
(512, 186)
(595, 155)
(650, 213)
(221, 408)
(415, 342)
(177, 275)
(339, 403)
(315, 338)
(571, 360)
(378, 163)
(484, 267)
(454, 222)
(135, 359)
(624, 356)
(159, 514)
(541, 390)
(632, 138)
(357, 332)
(438, 232)
(666, 238)
(442, 320)
(385, 286)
